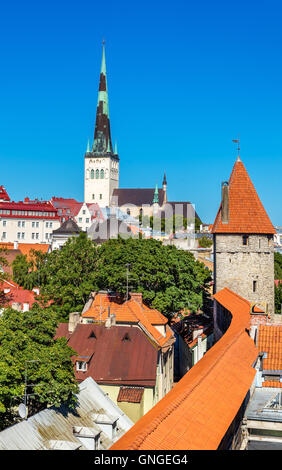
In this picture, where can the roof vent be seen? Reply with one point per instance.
(126, 337)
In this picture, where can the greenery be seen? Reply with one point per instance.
(29, 336)
(169, 279)
(3, 276)
(168, 225)
(278, 298)
(278, 266)
(205, 242)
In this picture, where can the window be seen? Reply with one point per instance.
(97, 174)
(4, 235)
(128, 211)
(32, 236)
(92, 175)
(37, 224)
(46, 236)
(83, 212)
(22, 235)
(37, 236)
(23, 223)
(47, 224)
(254, 286)
(102, 174)
(19, 223)
(18, 235)
(81, 365)
(4, 223)
(101, 196)
(50, 224)
(87, 221)
(245, 240)
(93, 196)
(33, 224)
(80, 219)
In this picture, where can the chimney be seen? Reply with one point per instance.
(225, 202)
(73, 321)
(137, 296)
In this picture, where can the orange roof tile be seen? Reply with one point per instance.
(198, 411)
(130, 311)
(270, 342)
(246, 212)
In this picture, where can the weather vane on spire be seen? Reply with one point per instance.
(237, 141)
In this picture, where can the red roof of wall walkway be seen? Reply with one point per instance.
(197, 412)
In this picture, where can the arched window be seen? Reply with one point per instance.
(102, 174)
(97, 174)
(92, 174)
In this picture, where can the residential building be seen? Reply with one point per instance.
(18, 298)
(27, 221)
(143, 331)
(83, 214)
(104, 230)
(67, 230)
(243, 242)
(94, 424)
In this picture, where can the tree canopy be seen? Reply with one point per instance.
(26, 337)
(278, 266)
(169, 279)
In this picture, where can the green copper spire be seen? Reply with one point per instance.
(156, 195)
(116, 151)
(102, 136)
(88, 148)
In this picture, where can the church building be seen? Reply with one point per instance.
(101, 175)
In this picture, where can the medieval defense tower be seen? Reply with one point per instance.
(101, 173)
(243, 242)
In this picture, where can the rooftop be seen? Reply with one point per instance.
(197, 412)
(246, 212)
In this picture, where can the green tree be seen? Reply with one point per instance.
(3, 276)
(278, 298)
(205, 242)
(26, 337)
(169, 279)
(67, 276)
(278, 266)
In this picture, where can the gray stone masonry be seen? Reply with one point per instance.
(248, 270)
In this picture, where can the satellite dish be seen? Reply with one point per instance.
(22, 410)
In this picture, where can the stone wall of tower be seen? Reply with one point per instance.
(237, 266)
(100, 190)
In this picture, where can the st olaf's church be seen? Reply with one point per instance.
(101, 175)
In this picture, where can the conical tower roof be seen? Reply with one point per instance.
(246, 212)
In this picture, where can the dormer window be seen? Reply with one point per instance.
(81, 366)
(126, 337)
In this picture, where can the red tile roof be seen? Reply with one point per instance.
(130, 394)
(269, 341)
(119, 355)
(17, 294)
(3, 194)
(246, 212)
(197, 412)
(131, 311)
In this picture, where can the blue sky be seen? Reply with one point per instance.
(184, 78)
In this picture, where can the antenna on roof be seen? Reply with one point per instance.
(237, 141)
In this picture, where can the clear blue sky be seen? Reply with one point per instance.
(184, 78)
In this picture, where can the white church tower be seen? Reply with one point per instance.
(101, 174)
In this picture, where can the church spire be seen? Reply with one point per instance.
(102, 137)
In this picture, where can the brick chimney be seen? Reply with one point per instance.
(74, 319)
(225, 202)
(137, 296)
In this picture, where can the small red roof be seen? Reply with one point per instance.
(130, 394)
(246, 212)
(3, 194)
